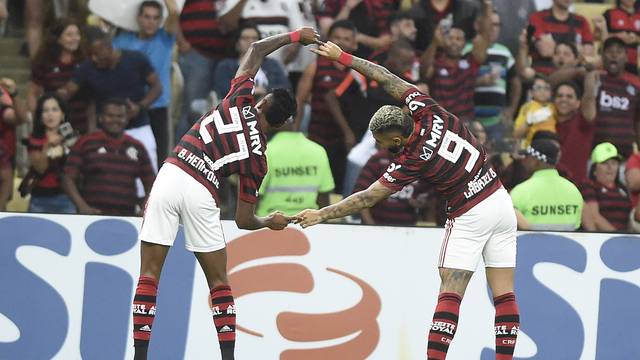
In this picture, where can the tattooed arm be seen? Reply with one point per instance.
(351, 205)
(392, 84)
(252, 60)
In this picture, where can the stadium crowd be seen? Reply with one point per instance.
(552, 94)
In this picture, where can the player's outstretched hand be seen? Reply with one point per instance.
(278, 221)
(328, 50)
(309, 35)
(309, 217)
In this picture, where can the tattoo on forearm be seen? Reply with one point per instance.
(348, 206)
(392, 84)
(351, 205)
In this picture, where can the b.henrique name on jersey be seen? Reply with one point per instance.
(226, 141)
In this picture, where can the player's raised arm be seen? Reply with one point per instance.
(351, 205)
(252, 60)
(392, 84)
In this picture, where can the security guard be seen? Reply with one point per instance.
(299, 175)
(546, 201)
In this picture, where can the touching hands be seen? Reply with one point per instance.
(329, 50)
(278, 221)
(309, 217)
(309, 35)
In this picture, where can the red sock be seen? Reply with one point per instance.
(144, 311)
(507, 325)
(443, 326)
(224, 318)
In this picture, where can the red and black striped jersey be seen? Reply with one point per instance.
(109, 168)
(619, 21)
(442, 152)
(453, 86)
(227, 140)
(329, 75)
(397, 209)
(7, 130)
(617, 105)
(53, 76)
(370, 17)
(575, 30)
(614, 202)
(49, 182)
(200, 25)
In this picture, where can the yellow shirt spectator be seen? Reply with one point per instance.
(533, 117)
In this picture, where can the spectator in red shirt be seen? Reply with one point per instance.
(48, 146)
(403, 30)
(617, 100)
(576, 113)
(53, 66)
(452, 76)
(401, 208)
(623, 22)
(203, 40)
(108, 162)
(632, 177)
(555, 24)
(450, 13)
(370, 17)
(12, 112)
(330, 127)
(607, 202)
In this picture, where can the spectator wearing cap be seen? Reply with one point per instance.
(617, 100)
(546, 201)
(451, 76)
(607, 202)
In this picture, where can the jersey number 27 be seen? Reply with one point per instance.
(235, 126)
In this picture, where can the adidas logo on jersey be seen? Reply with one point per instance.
(225, 328)
(146, 328)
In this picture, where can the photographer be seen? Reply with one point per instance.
(48, 146)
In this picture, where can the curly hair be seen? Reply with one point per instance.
(391, 117)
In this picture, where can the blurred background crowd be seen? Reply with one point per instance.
(94, 94)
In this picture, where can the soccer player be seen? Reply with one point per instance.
(228, 140)
(434, 145)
